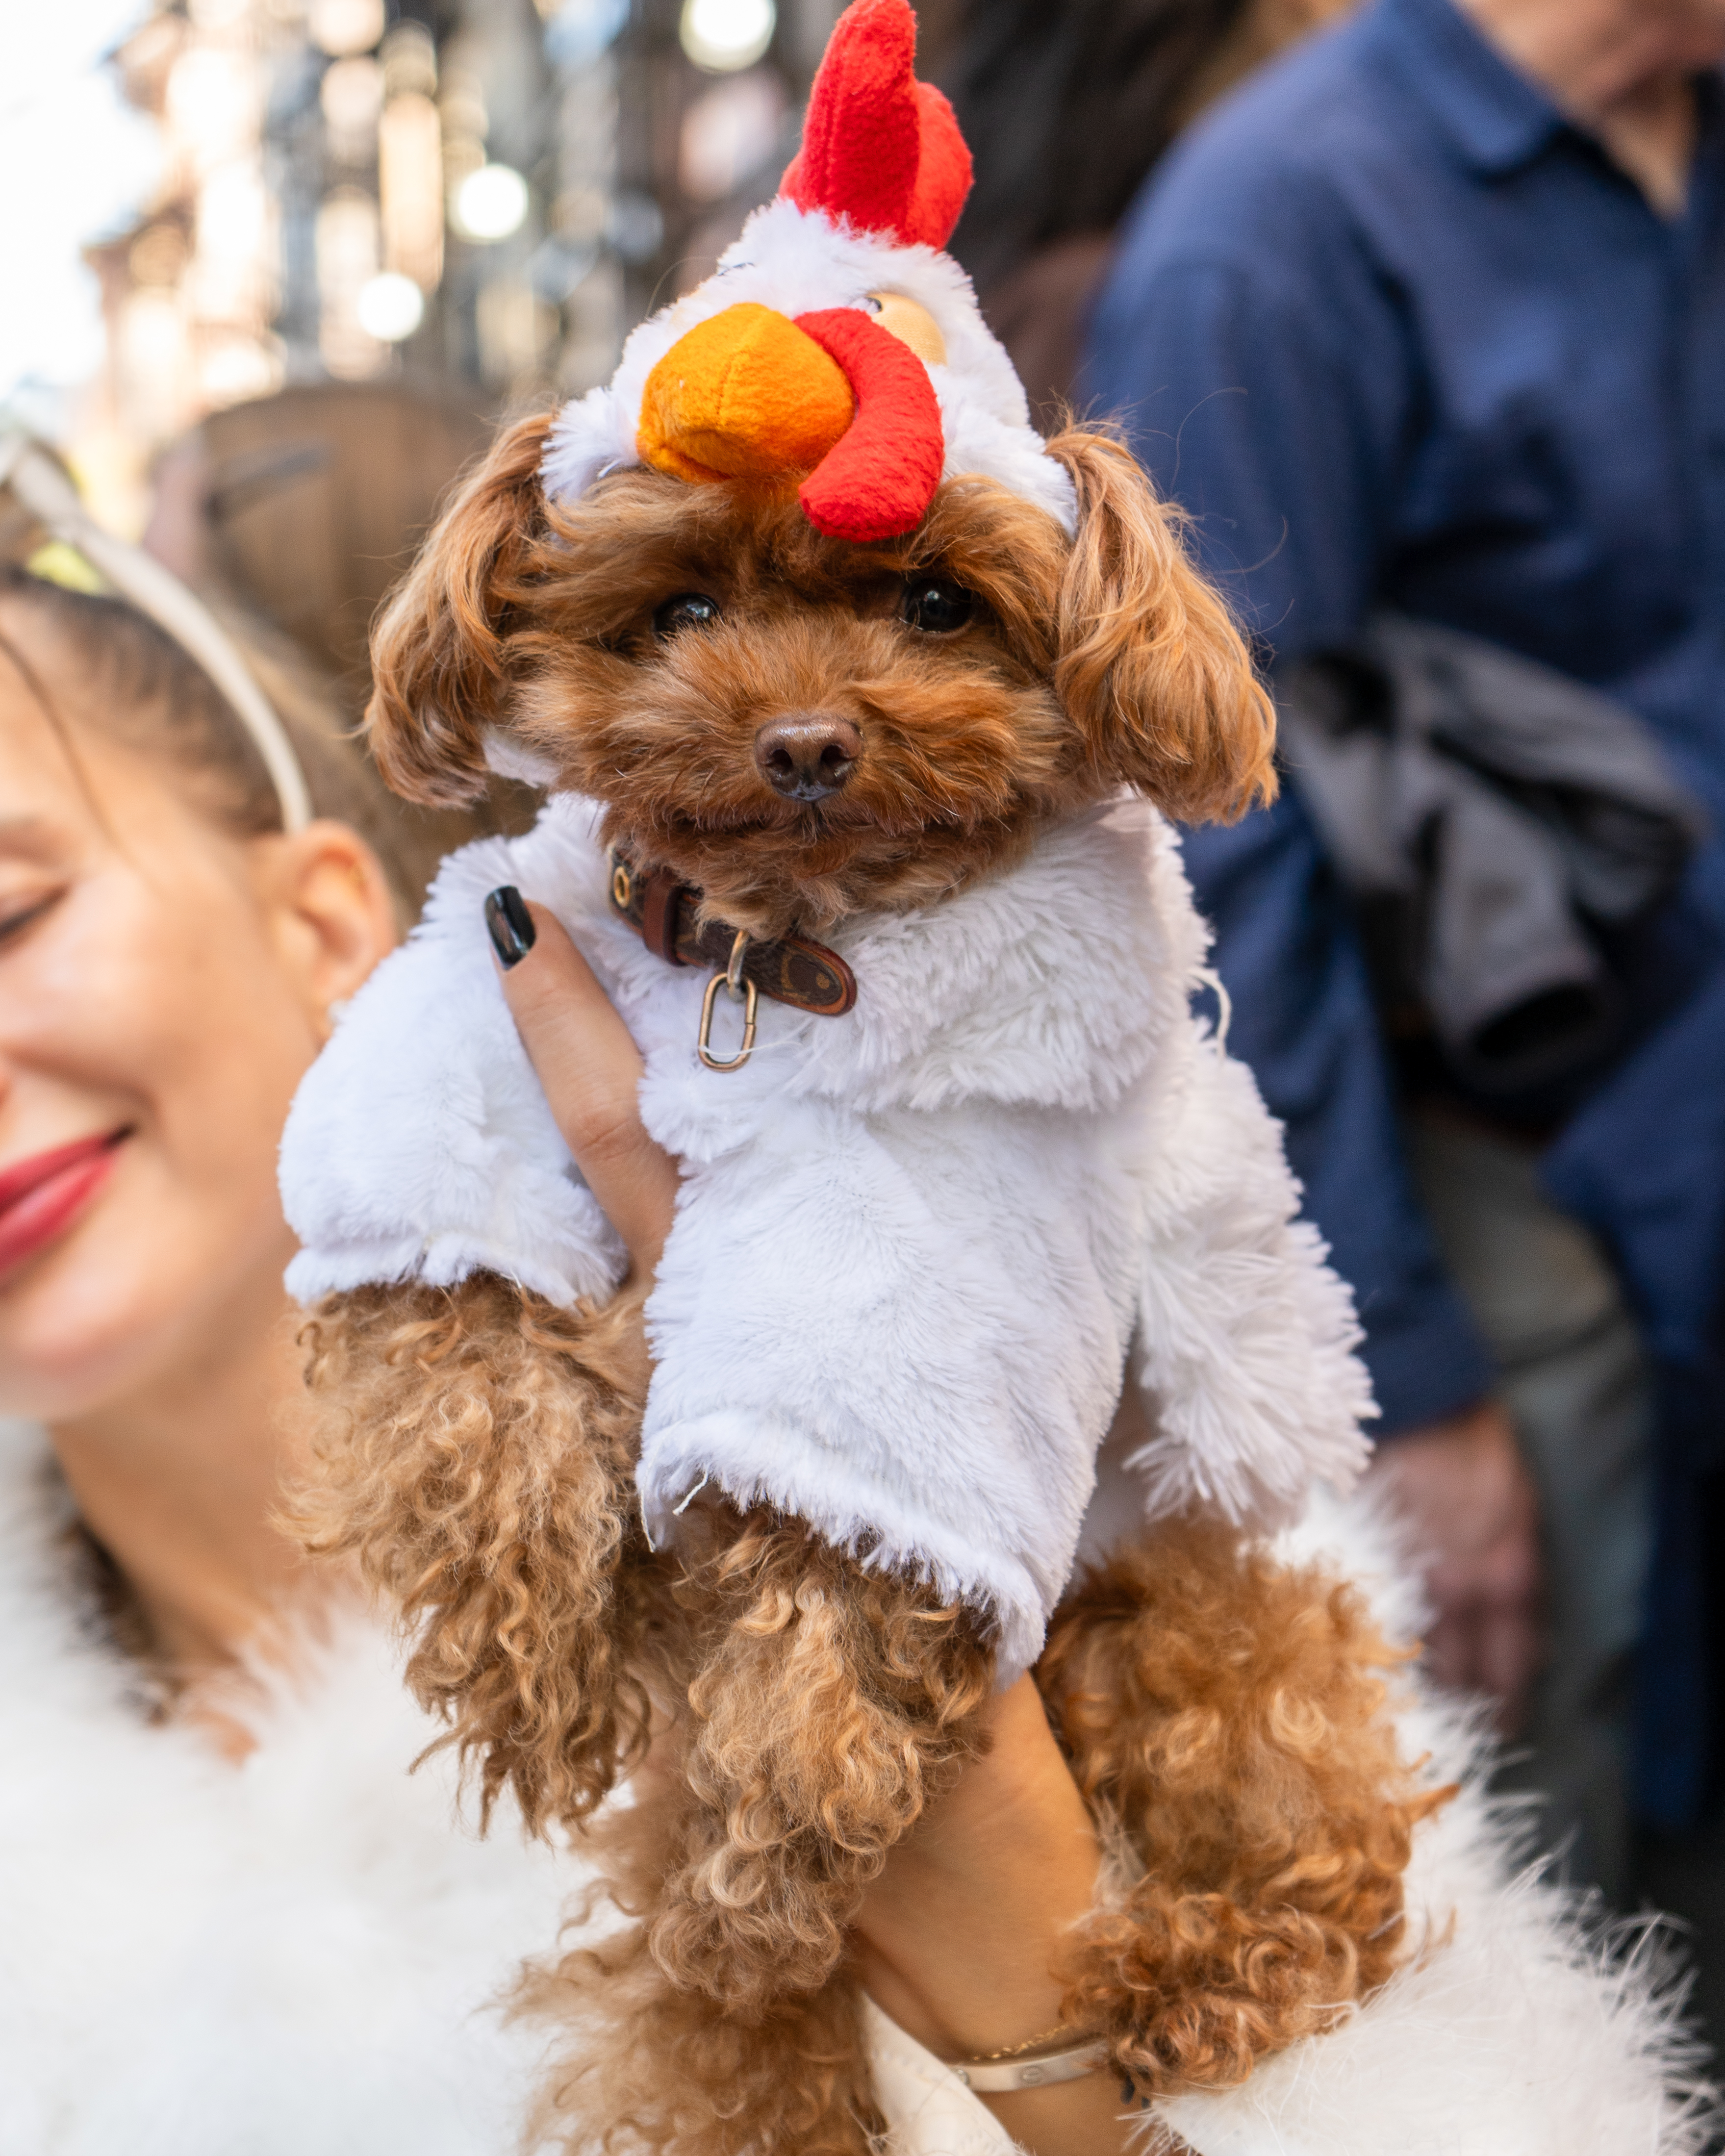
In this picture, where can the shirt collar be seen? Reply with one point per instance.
(1498, 119)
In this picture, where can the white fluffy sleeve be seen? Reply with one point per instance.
(1245, 1336)
(419, 1146)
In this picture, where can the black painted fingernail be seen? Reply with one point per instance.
(511, 926)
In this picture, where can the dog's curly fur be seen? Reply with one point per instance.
(1223, 1714)
(644, 2065)
(786, 1711)
(826, 1703)
(476, 1449)
(1227, 1712)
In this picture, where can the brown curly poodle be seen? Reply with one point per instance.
(786, 1712)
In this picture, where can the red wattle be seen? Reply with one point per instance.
(879, 148)
(879, 478)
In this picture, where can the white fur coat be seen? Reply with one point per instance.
(916, 1245)
(297, 1956)
(300, 1956)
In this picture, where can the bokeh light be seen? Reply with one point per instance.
(340, 26)
(491, 203)
(722, 35)
(390, 306)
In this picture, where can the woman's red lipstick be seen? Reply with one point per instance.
(41, 1197)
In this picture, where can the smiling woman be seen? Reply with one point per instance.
(168, 961)
(167, 968)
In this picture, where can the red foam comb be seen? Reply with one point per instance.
(879, 148)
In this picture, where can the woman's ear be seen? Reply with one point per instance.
(439, 669)
(1151, 669)
(330, 905)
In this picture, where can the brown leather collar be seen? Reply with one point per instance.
(795, 970)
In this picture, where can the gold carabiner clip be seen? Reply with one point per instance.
(740, 991)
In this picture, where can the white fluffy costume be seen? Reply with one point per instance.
(913, 1244)
(916, 1242)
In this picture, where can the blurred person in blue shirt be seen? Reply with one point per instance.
(1430, 316)
(1066, 109)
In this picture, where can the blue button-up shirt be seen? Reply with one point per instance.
(1397, 333)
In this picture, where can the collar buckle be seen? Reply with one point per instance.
(795, 970)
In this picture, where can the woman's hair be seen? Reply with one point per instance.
(102, 662)
(1066, 108)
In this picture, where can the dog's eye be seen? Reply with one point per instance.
(937, 607)
(687, 610)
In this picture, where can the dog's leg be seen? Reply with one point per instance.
(1227, 1715)
(476, 1449)
(829, 1703)
(645, 2064)
(812, 1709)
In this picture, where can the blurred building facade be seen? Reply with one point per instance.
(483, 195)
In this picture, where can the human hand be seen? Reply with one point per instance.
(590, 1070)
(958, 1938)
(1464, 1490)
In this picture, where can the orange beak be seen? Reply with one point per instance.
(744, 395)
(837, 399)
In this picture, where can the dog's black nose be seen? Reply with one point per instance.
(806, 756)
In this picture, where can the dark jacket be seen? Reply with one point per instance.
(1499, 826)
(1398, 333)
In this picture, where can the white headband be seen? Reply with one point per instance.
(45, 491)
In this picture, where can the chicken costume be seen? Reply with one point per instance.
(919, 1239)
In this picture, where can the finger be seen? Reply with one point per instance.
(590, 1070)
(1509, 1575)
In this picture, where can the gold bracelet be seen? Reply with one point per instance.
(1029, 2044)
(1026, 2064)
(1001, 2076)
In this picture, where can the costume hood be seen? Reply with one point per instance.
(837, 351)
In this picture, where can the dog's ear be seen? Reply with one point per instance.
(1151, 669)
(438, 672)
